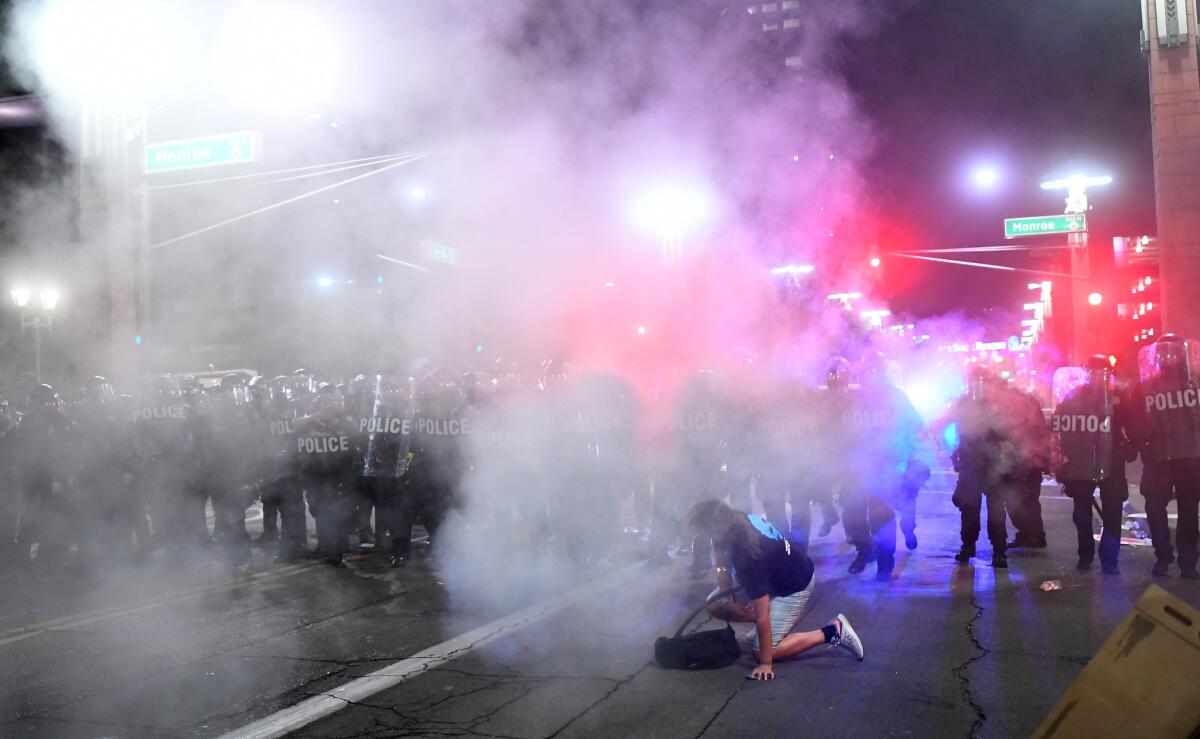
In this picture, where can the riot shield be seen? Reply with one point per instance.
(384, 426)
(1170, 398)
(1081, 427)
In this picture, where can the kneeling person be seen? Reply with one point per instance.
(778, 579)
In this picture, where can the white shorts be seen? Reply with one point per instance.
(786, 612)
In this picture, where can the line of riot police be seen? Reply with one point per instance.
(1097, 426)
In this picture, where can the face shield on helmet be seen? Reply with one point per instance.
(234, 388)
(979, 383)
(554, 374)
(837, 374)
(304, 383)
(166, 388)
(44, 396)
(329, 401)
(279, 388)
(99, 391)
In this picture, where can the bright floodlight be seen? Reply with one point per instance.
(325, 281)
(793, 270)
(20, 296)
(1095, 299)
(418, 193)
(49, 298)
(1077, 182)
(117, 47)
(985, 177)
(279, 53)
(670, 210)
(875, 262)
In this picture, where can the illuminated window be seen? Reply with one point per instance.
(791, 23)
(790, 4)
(770, 26)
(770, 7)
(794, 61)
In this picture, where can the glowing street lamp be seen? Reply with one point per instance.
(985, 177)
(36, 316)
(669, 210)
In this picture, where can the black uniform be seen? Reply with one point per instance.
(325, 455)
(979, 461)
(9, 502)
(1089, 444)
(1170, 405)
(230, 442)
(114, 513)
(383, 427)
(434, 468)
(169, 467)
(1022, 477)
(883, 427)
(282, 493)
(43, 465)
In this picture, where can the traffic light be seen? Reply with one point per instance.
(1095, 299)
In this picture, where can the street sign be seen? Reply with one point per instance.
(239, 147)
(440, 252)
(1042, 225)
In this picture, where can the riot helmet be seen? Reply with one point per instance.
(329, 401)
(98, 391)
(980, 382)
(554, 374)
(44, 396)
(837, 374)
(166, 387)
(234, 387)
(279, 388)
(304, 382)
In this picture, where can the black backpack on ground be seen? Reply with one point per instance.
(702, 650)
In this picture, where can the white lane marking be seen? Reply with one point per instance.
(103, 614)
(319, 706)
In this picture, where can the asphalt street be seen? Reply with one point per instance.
(205, 651)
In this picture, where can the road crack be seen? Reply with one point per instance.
(964, 681)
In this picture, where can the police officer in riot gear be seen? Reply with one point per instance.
(383, 421)
(325, 456)
(1090, 445)
(9, 504)
(976, 418)
(832, 404)
(165, 446)
(43, 438)
(434, 467)
(233, 454)
(282, 494)
(1022, 479)
(883, 427)
(1169, 372)
(104, 462)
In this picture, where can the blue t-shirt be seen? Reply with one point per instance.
(781, 570)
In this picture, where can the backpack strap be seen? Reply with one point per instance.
(707, 602)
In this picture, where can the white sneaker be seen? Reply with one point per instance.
(847, 637)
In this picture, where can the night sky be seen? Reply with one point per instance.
(1038, 88)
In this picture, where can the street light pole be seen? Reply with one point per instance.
(1076, 187)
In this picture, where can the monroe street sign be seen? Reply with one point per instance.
(239, 147)
(1041, 225)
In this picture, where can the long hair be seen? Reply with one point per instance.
(728, 528)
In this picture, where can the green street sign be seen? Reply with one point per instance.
(239, 147)
(1042, 225)
(440, 252)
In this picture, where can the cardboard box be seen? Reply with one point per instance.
(1144, 682)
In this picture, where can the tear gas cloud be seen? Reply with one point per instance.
(616, 178)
